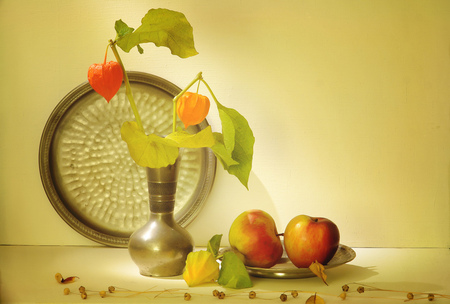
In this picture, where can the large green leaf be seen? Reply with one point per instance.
(233, 273)
(148, 150)
(162, 27)
(237, 142)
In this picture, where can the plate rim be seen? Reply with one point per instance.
(299, 272)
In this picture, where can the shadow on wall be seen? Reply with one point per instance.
(227, 200)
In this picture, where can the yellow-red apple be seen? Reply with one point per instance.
(308, 239)
(253, 236)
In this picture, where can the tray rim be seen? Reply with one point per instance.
(45, 166)
(297, 273)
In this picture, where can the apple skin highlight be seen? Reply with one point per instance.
(309, 239)
(253, 236)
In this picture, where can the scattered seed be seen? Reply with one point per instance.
(66, 291)
(430, 297)
(360, 289)
(221, 295)
(215, 293)
(61, 280)
(345, 288)
(83, 295)
(252, 294)
(102, 293)
(187, 296)
(111, 289)
(283, 297)
(343, 295)
(294, 293)
(410, 295)
(82, 289)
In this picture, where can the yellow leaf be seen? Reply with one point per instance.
(148, 150)
(204, 138)
(319, 271)
(201, 267)
(315, 299)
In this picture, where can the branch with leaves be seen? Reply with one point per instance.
(233, 146)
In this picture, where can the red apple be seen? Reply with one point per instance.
(253, 236)
(308, 239)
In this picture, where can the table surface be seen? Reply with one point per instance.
(27, 275)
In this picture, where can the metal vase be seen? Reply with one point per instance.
(161, 246)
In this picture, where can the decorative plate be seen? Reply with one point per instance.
(286, 270)
(88, 174)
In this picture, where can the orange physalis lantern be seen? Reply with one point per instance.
(192, 108)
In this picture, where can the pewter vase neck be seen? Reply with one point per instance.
(162, 187)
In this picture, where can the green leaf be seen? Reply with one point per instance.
(221, 152)
(204, 138)
(233, 273)
(162, 27)
(229, 137)
(214, 244)
(148, 150)
(122, 29)
(237, 137)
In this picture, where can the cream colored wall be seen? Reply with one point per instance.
(348, 100)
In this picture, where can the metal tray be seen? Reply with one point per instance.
(286, 270)
(88, 174)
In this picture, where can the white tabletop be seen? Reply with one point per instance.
(27, 276)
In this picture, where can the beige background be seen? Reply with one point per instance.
(348, 100)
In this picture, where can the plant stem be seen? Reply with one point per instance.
(211, 92)
(175, 99)
(127, 86)
(106, 54)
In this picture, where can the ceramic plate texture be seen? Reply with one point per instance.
(286, 270)
(88, 174)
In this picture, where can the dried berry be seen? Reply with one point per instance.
(283, 297)
(215, 293)
(360, 289)
(252, 294)
(66, 291)
(102, 293)
(345, 288)
(294, 293)
(111, 289)
(410, 296)
(430, 297)
(221, 295)
(187, 296)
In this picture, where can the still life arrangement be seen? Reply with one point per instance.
(255, 242)
(162, 248)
